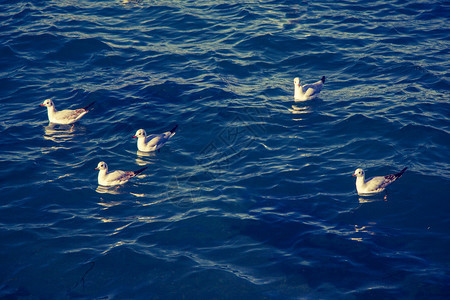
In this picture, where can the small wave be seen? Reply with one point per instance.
(79, 49)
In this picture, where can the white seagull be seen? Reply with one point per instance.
(307, 91)
(106, 178)
(65, 117)
(376, 184)
(152, 142)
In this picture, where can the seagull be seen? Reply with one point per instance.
(376, 184)
(152, 142)
(65, 117)
(106, 178)
(307, 91)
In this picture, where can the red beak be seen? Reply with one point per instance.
(134, 136)
(353, 175)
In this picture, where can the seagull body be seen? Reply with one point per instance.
(65, 117)
(106, 178)
(152, 142)
(307, 91)
(376, 184)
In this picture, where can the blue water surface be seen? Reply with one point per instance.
(253, 197)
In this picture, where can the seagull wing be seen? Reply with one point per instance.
(153, 140)
(388, 179)
(309, 92)
(379, 183)
(311, 89)
(167, 135)
(118, 176)
(375, 184)
(70, 115)
(121, 177)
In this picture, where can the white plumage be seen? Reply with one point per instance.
(153, 142)
(65, 117)
(374, 185)
(106, 178)
(307, 91)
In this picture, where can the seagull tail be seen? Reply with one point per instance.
(88, 106)
(323, 79)
(399, 174)
(139, 171)
(173, 129)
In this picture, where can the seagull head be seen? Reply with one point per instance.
(296, 81)
(47, 103)
(358, 173)
(140, 133)
(102, 166)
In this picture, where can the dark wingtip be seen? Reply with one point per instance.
(399, 174)
(88, 106)
(175, 128)
(323, 79)
(139, 171)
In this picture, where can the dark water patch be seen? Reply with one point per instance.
(360, 125)
(111, 60)
(10, 60)
(404, 40)
(31, 43)
(169, 91)
(276, 43)
(7, 53)
(9, 292)
(166, 60)
(363, 68)
(412, 133)
(9, 86)
(80, 49)
(23, 14)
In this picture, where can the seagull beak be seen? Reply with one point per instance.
(96, 169)
(41, 105)
(134, 136)
(353, 175)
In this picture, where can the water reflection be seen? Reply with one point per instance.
(148, 196)
(370, 199)
(361, 231)
(60, 133)
(143, 158)
(113, 190)
(117, 191)
(146, 154)
(299, 110)
(131, 1)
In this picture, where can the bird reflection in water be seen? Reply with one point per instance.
(114, 190)
(145, 158)
(146, 154)
(297, 110)
(370, 199)
(61, 133)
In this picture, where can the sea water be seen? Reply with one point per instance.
(253, 197)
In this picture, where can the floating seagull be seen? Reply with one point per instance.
(152, 142)
(376, 184)
(106, 178)
(67, 116)
(307, 91)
